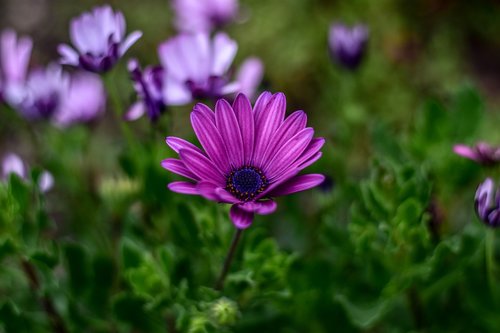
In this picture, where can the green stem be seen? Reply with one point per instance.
(219, 285)
(117, 105)
(490, 259)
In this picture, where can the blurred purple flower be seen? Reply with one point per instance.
(203, 15)
(487, 203)
(83, 101)
(13, 164)
(348, 44)
(99, 40)
(196, 67)
(481, 153)
(248, 156)
(15, 55)
(54, 95)
(249, 76)
(148, 84)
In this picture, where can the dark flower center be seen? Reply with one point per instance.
(246, 182)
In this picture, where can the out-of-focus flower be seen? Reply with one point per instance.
(248, 156)
(249, 76)
(204, 15)
(148, 84)
(99, 40)
(487, 203)
(43, 92)
(481, 153)
(83, 101)
(15, 55)
(54, 95)
(196, 67)
(13, 164)
(348, 44)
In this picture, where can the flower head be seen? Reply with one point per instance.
(15, 55)
(248, 157)
(52, 94)
(196, 67)
(481, 153)
(148, 84)
(204, 15)
(348, 44)
(487, 203)
(99, 40)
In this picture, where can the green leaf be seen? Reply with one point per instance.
(366, 315)
(77, 265)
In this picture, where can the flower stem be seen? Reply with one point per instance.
(490, 260)
(117, 105)
(219, 285)
(48, 305)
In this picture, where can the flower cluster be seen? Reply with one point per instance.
(249, 156)
(13, 164)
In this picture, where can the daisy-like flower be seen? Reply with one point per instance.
(348, 44)
(99, 40)
(204, 15)
(487, 203)
(15, 55)
(148, 84)
(481, 153)
(196, 67)
(249, 155)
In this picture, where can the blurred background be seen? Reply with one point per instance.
(390, 243)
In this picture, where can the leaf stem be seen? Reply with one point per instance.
(490, 260)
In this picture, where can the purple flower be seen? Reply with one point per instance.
(99, 40)
(481, 153)
(248, 156)
(487, 203)
(196, 67)
(348, 45)
(249, 76)
(203, 15)
(14, 60)
(13, 164)
(83, 101)
(54, 95)
(148, 85)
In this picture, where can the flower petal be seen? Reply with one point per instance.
(224, 51)
(243, 111)
(135, 111)
(68, 55)
(227, 124)
(297, 184)
(207, 190)
(290, 127)
(177, 166)
(210, 139)
(177, 144)
(264, 207)
(183, 187)
(267, 122)
(261, 103)
(249, 76)
(465, 151)
(129, 41)
(240, 218)
(201, 166)
(225, 196)
(288, 153)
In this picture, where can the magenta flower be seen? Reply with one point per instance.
(348, 45)
(15, 55)
(203, 15)
(248, 156)
(99, 40)
(487, 203)
(148, 84)
(481, 153)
